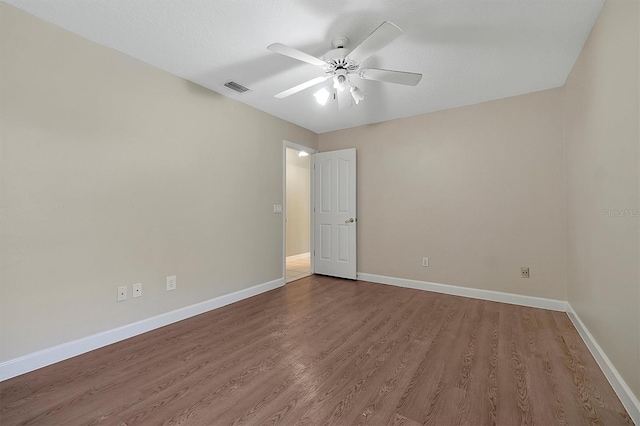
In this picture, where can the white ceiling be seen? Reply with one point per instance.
(469, 51)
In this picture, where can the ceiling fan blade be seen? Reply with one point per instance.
(344, 99)
(389, 76)
(296, 54)
(301, 87)
(379, 38)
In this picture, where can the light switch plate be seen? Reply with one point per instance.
(277, 208)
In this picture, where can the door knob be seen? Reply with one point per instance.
(350, 220)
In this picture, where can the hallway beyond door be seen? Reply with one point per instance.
(298, 266)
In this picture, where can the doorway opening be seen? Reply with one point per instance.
(298, 235)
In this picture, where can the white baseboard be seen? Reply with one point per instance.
(623, 391)
(33, 361)
(474, 293)
(299, 256)
(621, 388)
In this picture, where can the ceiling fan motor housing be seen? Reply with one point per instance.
(337, 59)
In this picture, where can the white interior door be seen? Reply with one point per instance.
(335, 213)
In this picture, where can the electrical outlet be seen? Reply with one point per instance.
(122, 293)
(137, 290)
(425, 261)
(171, 283)
(524, 272)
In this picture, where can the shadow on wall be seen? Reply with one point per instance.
(197, 89)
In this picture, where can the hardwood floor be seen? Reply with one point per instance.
(328, 351)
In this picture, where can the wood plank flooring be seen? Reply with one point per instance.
(328, 351)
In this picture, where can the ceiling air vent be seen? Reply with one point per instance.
(238, 88)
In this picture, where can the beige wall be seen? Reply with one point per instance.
(478, 189)
(298, 189)
(602, 166)
(113, 172)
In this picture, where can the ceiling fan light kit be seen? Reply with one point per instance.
(357, 95)
(341, 64)
(340, 79)
(322, 96)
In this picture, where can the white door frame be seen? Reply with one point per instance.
(287, 144)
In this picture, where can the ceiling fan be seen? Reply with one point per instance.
(342, 64)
